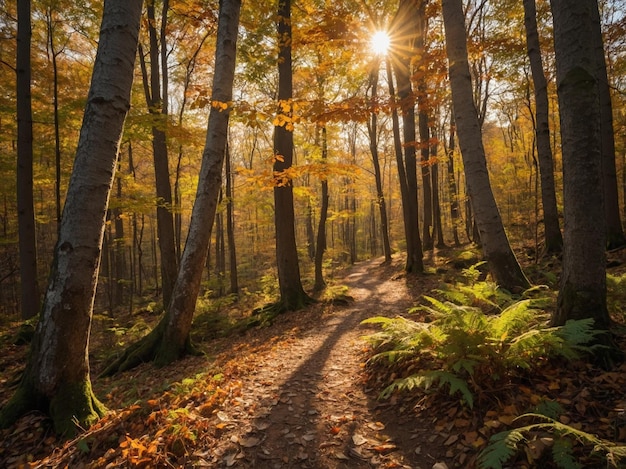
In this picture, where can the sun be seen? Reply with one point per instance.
(380, 42)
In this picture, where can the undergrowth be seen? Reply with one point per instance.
(473, 339)
(548, 438)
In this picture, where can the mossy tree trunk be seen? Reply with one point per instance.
(56, 380)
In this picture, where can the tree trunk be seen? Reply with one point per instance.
(423, 106)
(169, 340)
(452, 187)
(292, 295)
(553, 237)
(500, 258)
(372, 129)
(434, 171)
(55, 105)
(158, 110)
(320, 247)
(56, 379)
(409, 228)
(230, 226)
(30, 296)
(401, 43)
(614, 233)
(583, 281)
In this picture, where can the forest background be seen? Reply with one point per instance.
(333, 66)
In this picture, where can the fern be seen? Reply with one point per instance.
(504, 445)
(475, 348)
(426, 380)
(579, 332)
(563, 455)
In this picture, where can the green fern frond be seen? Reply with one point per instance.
(578, 332)
(392, 356)
(454, 296)
(552, 409)
(502, 447)
(426, 380)
(563, 455)
(438, 308)
(467, 364)
(516, 317)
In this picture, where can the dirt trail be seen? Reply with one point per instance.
(305, 405)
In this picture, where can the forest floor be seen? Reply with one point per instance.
(297, 394)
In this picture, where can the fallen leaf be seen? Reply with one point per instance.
(376, 426)
(440, 465)
(249, 442)
(358, 440)
(384, 448)
(340, 455)
(451, 440)
(230, 459)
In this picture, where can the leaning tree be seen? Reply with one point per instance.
(56, 379)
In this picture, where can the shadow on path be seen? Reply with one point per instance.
(311, 409)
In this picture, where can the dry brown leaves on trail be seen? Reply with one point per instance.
(296, 395)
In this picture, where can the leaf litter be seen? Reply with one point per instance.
(296, 394)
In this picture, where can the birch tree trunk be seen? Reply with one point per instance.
(501, 260)
(169, 340)
(553, 237)
(56, 380)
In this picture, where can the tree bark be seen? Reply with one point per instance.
(320, 245)
(230, 226)
(157, 107)
(292, 295)
(553, 237)
(30, 295)
(583, 281)
(372, 130)
(402, 42)
(56, 380)
(409, 228)
(501, 260)
(434, 171)
(452, 187)
(615, 237)
(169, 340)
(424, 111)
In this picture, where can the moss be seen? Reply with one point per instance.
(22, 401)
(73, 407)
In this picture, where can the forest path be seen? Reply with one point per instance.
(305, 404)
